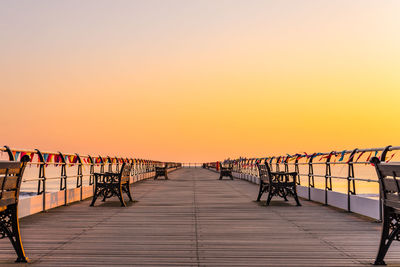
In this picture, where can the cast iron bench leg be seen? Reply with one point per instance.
(270, 194)
(13, 232)
(121, 199)
(95, 195)
(296, 198)
(260, 192)
(386, 238)
(127, 190)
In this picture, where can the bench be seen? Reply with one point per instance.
(225, 171)
(389, 180)
(161, 171)
(280, 184)
(10, 182)
(111, 184)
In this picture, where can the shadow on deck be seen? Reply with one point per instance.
(194, 219)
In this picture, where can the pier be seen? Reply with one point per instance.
(194, 219)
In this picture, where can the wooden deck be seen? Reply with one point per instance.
(194, 219)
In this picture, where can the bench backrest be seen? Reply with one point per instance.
(264, 172)
(125, 172)
(389, 179)
(10, 180)
(225, 166)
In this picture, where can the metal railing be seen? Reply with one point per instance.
(192, 165)
(84, 166)
(305, 165)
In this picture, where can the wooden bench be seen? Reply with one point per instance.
(161, 171)
(111, 184)
(225, 171)
(10, 182)
(279, 184)
(389, 179)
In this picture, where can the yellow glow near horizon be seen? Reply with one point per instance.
(200, 81)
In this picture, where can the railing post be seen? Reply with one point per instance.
(110, 162)
(351, 185)
(277, 163)
(382, 159)
(42, 178)
(63, 177)
(10, 154)
(296, 169)
(311, 183)
(285, 162)
(91, 171)
(117, 167)
(79, 175)
(270, 162)
(101, 164)
(328, 178)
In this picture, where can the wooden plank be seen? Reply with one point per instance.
(194, 219)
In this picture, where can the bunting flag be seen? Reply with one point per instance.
(55, 160)
(49, 159)
(391, 157)
(325, 157)
(311, 156)
(342, 155)
(51, 156)
(16, 155)
(350, 158)
(22, 154)
(359, 156)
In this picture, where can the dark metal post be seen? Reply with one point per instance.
(277, 163)
(328, 178)
(63, 177)
(296, 169)
(117, 168)
(270, 162)
(351, 185)
(10, 154)
(79, 175)
(101, 164)
(382, 159)
(109, 161)
(42, 178)
(285, 162)
(310, 176)
(91, 171)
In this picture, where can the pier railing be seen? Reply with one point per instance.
(192, 165)
(58, 172)
(323, 174)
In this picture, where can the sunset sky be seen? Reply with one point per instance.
(196, 81)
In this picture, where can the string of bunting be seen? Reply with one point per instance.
(337, 156)
(57, 159)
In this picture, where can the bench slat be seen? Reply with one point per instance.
(13, 170)
(11, 182)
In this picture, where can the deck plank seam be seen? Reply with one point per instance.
(195, 210)
(342, 252)
(316, 236)
(76, 236)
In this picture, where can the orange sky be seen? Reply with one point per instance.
(198, 81)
